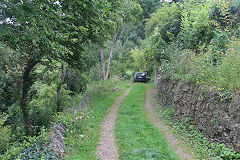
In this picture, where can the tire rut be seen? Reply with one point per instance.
(176, 144)
(107, 148)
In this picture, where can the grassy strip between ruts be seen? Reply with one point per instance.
(136, 137)
(82, 140)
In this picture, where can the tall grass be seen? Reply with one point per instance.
(207, 68)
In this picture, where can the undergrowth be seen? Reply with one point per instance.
(83, 128)
(205, 148)
(201, 68)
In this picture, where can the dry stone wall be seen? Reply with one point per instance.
(58, 131)
(218, 120)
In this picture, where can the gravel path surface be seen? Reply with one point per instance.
(176, 144)
(107, 148)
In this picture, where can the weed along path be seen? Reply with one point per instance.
(107, 149)
(136, 136)
(184, 153)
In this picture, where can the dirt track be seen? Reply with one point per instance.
(107, 149)
(177, 145)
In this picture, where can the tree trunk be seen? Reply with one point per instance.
(110, 55)
(103, 63)
(60, 87)
(25, 82)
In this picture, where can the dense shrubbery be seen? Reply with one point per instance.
(199, 68)
(5, 132)
(199, 43)
(43, 108)
(203, 51)
(42, 102)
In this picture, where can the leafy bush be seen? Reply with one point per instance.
(10, 77)
(43, 106)
(200, 68)
(39, 150)
(5, 132)
(75, 80)
(117, 68)
(162, 28)
(228, 70)
(139, 59)
(102, 87)
(95, 73)
(37, 147)
(129, 74)
(166, 21)
(196, 28)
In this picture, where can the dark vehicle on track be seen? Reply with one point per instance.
(141, 77)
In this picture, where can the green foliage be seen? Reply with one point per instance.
(122, 60)
(218, 44)
(205, 148)
(131, 10)
(200, 69)
(139, 59)
(148, 7)
(30, 148)
(43, 106)
(10, 74)
(95, 73)
(38, 150)
(101, 88)
(51, 34)
(46, 31)
(163, 28)
(128, 34)
(193, 42)
(36, 147)
(166, 21)
(176, 67)
(11, 152)
(76, 80)
(92, 55)
(5, 132)
(55, 30)
(196, 28)
(157, 47)
(227, 72)
(50, 73)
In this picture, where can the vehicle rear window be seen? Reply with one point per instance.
(140, 74)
